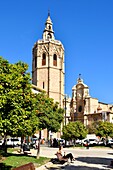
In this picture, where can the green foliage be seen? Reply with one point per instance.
(92, 128)
(17, 114)
(21, 111)
(104, 129)
(74, 130)
(50, 116)
(16, 161)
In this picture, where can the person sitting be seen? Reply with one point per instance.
(65, 156)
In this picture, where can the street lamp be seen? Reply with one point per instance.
(65, 97)
(23, 88)
(65, 108)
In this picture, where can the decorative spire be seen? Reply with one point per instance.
(79, 79)
(79, 76)
(48, 21)
(48, 13)
(48, 33)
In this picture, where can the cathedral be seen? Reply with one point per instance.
(48, 74)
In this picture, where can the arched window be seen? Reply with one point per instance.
(80, 108)
(43, 59)
(49, 36)
(55, 60)
(49, 27)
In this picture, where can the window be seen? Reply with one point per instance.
(49, 27)
(80, 108)
(49, 36)
(55, 60)
(43, 59)
(43, 85)
(35, 62)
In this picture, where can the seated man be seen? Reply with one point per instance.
(61, 156)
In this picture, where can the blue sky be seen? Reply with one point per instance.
(85, 27)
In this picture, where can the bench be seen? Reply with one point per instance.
(29, 166)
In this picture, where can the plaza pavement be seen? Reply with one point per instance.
(86, 159)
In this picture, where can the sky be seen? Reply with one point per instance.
(85, 28)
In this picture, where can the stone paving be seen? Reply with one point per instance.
(77, 165)
(85, 162)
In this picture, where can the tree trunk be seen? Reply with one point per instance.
(21, 146)
(38, 146)
(38, 150)
(5, 144)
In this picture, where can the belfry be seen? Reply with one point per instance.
(48, 64)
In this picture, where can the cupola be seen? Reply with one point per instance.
(48, 33)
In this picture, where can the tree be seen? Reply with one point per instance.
(104, 129)
(21, 111)
(92, 128)
(17, 103)
(74, 130)
(49, 114)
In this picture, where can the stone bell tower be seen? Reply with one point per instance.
(48, 64)
(80, 101)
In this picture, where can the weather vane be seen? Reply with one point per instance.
(48, 12)
(79, 76)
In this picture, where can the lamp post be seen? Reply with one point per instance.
(23, 88)
(65, 108)
(65, 113)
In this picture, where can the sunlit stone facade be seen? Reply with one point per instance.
(48, 64)
(87, 109)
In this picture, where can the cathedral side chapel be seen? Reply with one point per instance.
(87, 109)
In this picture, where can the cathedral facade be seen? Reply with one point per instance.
(87, 109)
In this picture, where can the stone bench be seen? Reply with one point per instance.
(29, 166)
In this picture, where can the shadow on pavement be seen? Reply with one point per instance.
(110, 153)
(74, 167)
(104, 162)
(56, 161)
(95, 160)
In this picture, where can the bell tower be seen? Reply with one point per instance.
(48, 64)
(80, 101)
